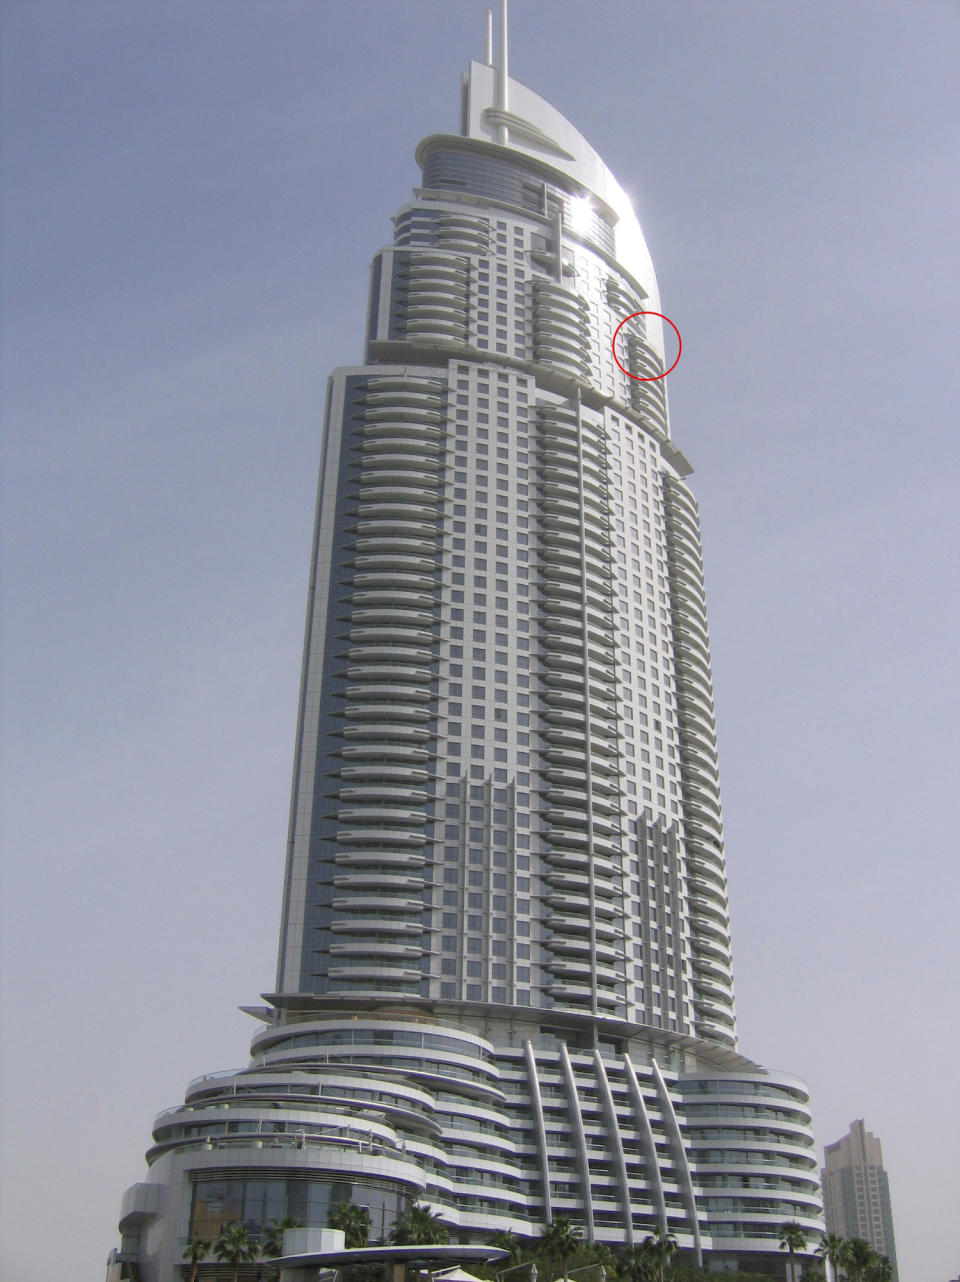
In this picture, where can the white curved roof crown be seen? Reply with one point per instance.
(498, 109)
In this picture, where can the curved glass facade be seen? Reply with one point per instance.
(520, 184)
(254, 1201)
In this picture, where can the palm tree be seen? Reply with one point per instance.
(792, 1239)
(601, 1254)
(235, 1245)
(637, 1264)
(504, 1240)
(831, 1249)
(354, 1220)
(197, 1249)
(561, 1240)
(881, 1270)
(661, 1245)
(273, 1236)
(858, 1257)
(420, 1227)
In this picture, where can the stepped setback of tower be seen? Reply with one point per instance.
(504, 983)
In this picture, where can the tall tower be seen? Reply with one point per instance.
(856, 1191)
(504, 983)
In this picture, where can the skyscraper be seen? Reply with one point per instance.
(504, 982)
(856, 1191)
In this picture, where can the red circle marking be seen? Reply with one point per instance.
(653, 378)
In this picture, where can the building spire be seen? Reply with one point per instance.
(503, 74)
(488, 54)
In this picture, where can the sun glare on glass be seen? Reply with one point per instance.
(581, 213)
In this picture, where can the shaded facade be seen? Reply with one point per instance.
(504, 982)
(856, 1191)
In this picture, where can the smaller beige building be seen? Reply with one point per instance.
(856, 1191)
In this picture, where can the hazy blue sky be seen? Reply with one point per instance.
(193, 192)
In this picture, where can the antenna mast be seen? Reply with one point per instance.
(503, 74)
